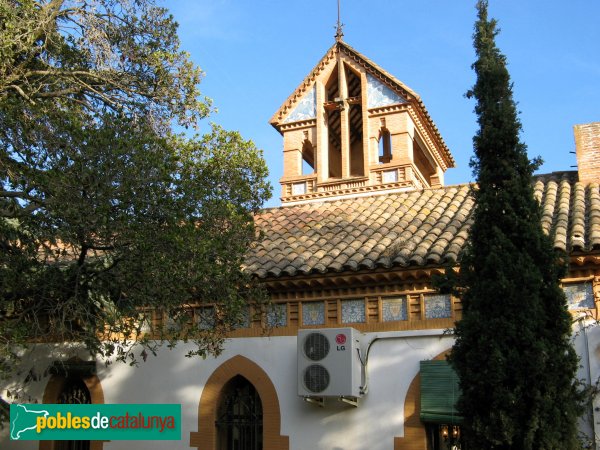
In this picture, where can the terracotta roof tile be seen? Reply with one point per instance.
(594, 215)
(407, 229)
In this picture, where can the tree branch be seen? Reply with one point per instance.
(21, 93)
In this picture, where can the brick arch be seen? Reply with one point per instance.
(53, 390)
(415, 437)
(206, 437)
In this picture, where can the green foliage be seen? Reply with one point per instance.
(106, 216)
(512, 354)
(120, 55)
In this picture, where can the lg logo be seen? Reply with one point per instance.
(340, 340)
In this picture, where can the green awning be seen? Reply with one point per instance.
(439, 393)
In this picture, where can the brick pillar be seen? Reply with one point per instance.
(344, 120)
(587, 146)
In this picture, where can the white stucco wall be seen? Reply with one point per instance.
(393, 364)
(172, 378)
(587, 344)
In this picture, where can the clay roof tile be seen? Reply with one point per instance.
(407, 229)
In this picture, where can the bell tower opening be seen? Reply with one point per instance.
(334, 121)
(357, 161)
(422, 163)
(343, 106)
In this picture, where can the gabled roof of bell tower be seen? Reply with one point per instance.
(353, 129)
(282, 115)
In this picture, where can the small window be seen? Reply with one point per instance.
(385, 146)
(308, 158)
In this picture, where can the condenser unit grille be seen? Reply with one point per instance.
(316, 378)
(316, 346)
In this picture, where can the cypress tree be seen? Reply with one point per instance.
(512, 353)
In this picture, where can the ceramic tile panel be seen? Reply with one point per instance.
(438, 307)
(394, 309)
(172, 324)
(305, 109)
(378, 94)
(145, 322)
(299, 188)
(205, 318)
(353, 311)
(277, 315)
(244, 319)
(389, 176)
(579, 295)
(313, 313)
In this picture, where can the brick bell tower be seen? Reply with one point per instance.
(352, 129)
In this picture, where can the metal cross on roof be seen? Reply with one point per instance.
(339, 33)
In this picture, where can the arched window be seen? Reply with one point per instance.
(239, 417)
(74, 392)
(385, 146)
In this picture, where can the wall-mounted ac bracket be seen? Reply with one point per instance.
(352, 401)
(319, 401)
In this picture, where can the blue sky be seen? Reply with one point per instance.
(255, 53)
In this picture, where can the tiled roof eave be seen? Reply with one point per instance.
(408, 230)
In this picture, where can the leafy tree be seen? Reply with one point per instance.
(107, 217)
(513, 354)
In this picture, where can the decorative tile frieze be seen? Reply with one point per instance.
(172, 325)
(353, 311)
(277, 315)
(393, 309)
(313, 313)
(378, 94)
(299, 188)
(389, 176)
(438, 306)
(579, 295)
(305, 109)
(145, 322)
(205, 318)
(244, 319)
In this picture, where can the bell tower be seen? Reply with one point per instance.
(352, 129)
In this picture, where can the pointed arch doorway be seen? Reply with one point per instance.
(239, 417)
(239, 405)
(73, 382)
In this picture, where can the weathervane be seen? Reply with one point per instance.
(339, 33)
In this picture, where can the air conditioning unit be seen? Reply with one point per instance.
(329, 363)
